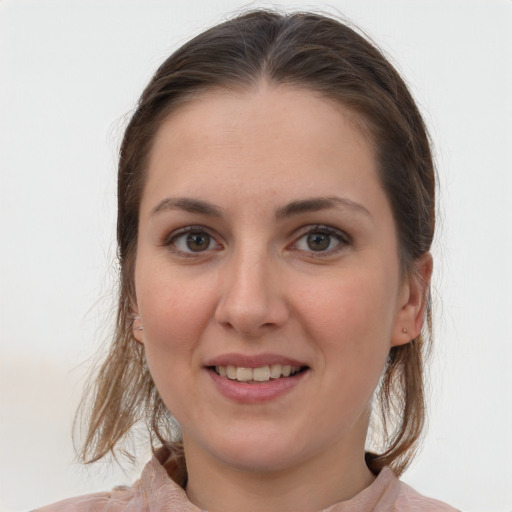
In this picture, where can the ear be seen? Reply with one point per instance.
(413, 302)
(137, 327)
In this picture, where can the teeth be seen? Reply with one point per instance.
(275, 371)
(230, 372)
(244, 374)
(260, 374)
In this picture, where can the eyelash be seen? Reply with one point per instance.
(342, 238)
(181, 234)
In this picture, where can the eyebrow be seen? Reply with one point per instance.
(313, 204)
(189, 205)
(316, 204)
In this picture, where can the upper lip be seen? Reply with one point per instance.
(252, 361)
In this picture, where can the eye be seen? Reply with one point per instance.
(322, 239)
(191, 240)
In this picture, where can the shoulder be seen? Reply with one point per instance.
(409, 500)
(113, 501)
(160, 487)
(389, 494)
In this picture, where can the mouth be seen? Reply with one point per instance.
(256, 379)
(259, 374)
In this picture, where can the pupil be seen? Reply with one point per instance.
(198, 241)
(318, 241)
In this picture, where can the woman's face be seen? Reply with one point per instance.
(267, 247)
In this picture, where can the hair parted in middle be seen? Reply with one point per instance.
(309, 51)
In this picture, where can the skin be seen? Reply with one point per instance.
(258, 286)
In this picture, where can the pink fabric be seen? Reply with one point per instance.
(156, 491)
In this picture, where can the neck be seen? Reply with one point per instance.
(309, 486)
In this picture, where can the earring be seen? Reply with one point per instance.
(404, 330)
(138, 318)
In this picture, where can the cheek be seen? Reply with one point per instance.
(174, 316)
(174, 312)
(356, 307)
(351, 322)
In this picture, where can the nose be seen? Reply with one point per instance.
(252, 298)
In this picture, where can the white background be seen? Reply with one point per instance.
(70, 73)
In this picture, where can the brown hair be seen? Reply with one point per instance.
(309, 51)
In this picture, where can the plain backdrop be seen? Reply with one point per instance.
(70, 74)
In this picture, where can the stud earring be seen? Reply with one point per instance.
(404, 330)
(138, 318)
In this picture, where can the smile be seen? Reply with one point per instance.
(260, 374)
(256, 379)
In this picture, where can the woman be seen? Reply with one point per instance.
(275, 216)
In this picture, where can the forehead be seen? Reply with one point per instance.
(273, 107)
(264, 140)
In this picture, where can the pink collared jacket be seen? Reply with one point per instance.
(159, 489)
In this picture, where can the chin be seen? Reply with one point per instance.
(257, 461)
(257, 453)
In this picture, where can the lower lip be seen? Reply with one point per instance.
(256, 392)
